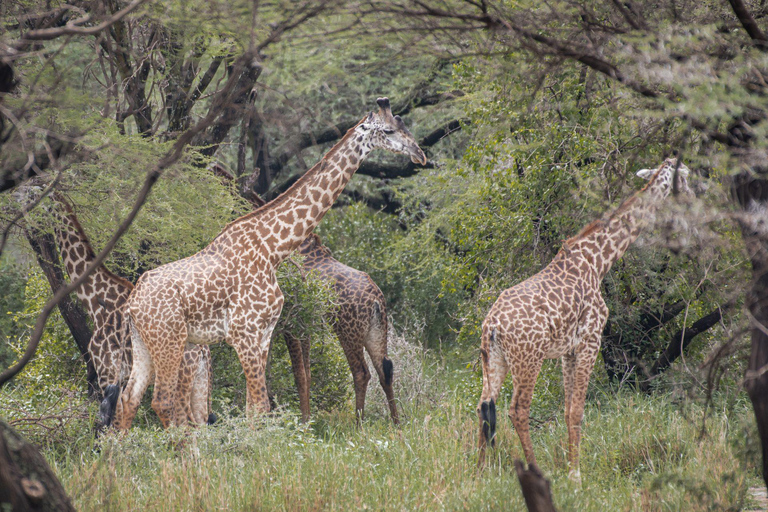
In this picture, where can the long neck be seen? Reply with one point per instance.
(284, 223)
(603, 242)
(77, 253)
(76, 249)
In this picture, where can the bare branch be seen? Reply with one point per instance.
(73, 28)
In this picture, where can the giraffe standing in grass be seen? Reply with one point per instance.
(560, 312)
(228, 290)
(359, 321)
(104, 296)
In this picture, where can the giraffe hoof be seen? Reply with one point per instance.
(212, 418)
(574, 476)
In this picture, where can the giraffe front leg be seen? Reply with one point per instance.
(252, 347)
(584, 362)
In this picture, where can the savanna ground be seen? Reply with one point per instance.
(639, 452)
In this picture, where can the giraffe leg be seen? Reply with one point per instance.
(208, 360)
(165, 399)
(495, 370)
(305, 349)
(360, 375)
(296, 351)
(520, 409)
(585, 361)
(106, 354)
(253, 350)
(569, 367)
(193, 390)
(142, 371)
(376, 345)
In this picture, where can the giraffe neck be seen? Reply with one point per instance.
(604, 241)
(76, 250)
(77, 253)
(284, 223)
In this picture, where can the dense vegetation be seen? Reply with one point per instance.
(528, 140)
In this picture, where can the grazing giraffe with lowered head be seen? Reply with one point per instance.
(104, 296)
(359, 321)
(560, 312)
(228, 290)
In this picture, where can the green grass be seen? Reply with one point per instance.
(638, 453)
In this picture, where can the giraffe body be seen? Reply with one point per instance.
(104, 296)
(359, 321)
(560, 313)
(228, 291)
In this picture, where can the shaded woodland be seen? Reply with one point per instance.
(161, 122)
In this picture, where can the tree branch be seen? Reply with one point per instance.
(749, 23)
(171, 157)
(682, 338)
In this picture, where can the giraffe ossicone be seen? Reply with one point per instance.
(228, 291)
(560, 313)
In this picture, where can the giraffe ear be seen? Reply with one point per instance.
(646, 173)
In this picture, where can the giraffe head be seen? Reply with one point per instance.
(666, 173)
(383, 130)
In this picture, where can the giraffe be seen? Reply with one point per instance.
(228, 290)
(359, 321)
(104, 296)
(560, 312)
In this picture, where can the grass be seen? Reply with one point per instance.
(638, 453)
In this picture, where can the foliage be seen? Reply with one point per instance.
(12, 283)
(58, 363)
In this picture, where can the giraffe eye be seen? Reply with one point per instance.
(388, 131)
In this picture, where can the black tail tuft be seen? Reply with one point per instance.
(212, 419)
(488, 416)
(388, 371)
(108, 405)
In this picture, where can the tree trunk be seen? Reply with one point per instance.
(751, 191)
(74, 316)
(536, 491)
(27, 483)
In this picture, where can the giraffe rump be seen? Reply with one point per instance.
(488, 417)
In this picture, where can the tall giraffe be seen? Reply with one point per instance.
(228, 290)
(560, 312)
(359, 321)
(104, 296)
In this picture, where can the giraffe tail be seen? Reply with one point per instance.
(108, 405)
(488, 417)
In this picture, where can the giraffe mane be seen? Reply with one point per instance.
(598, 224)
(89, 252)
(316, 169)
